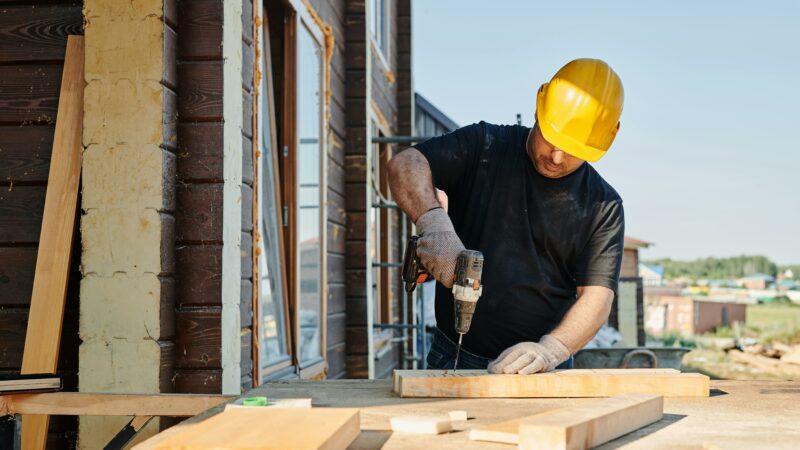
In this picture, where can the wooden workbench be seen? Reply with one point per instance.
(739, 414)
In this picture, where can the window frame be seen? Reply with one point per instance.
(381, 43)
(299, 17)
(268, 131)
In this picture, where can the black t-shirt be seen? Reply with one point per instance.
(540, 237)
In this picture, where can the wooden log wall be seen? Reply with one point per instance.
(32, 45)
(198, 224)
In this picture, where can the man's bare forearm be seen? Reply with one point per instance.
(411, 183)
(586, 316)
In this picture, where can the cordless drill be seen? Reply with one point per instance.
(467, 286)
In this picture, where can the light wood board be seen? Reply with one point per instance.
(587, 426)
(43, 334)
(268, 428)
(507, 432)
(86, 404)
(566, 383)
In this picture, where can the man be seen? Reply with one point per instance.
(550, 228)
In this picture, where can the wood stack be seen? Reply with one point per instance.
(777, 358)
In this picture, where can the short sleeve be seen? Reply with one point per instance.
(451, 156)
(600, 262)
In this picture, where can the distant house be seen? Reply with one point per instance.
(429, 120)
(688, 316)
(756, 281)
(630, 257)
(652, 275)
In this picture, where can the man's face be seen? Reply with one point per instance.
(548, 160)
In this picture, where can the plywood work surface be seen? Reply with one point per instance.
(738, 415)
(562, 384)
(269, 428)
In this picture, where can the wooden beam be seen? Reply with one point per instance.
(43, 335)
(641, 406)
(590, 425)
(567, 383)
(316, 428)
(86, 404)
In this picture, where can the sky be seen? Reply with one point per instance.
(707, 159)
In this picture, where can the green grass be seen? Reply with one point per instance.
(775, 321)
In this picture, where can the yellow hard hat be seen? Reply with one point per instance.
(578, 110)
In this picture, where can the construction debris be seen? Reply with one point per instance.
(776, 358)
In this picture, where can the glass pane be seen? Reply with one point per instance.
(309, 124)
(272, 323)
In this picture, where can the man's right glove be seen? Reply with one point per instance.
(438, 246)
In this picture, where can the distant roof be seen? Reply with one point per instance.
(759, 276)
(631, 242)
(426, 106)
(659, 270)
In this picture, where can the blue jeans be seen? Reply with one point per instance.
(443, 355)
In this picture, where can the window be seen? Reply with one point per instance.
(273, 333)
(379, 24)
(309, 175)
(291, 303)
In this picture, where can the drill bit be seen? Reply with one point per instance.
(458, 351)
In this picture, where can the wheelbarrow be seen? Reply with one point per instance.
(630, 358)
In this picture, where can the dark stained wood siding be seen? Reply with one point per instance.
(389, 106)
(198, 217)
(355, 184)
(198, 225)
(33, 39)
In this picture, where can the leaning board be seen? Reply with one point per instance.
(269, 428)
(565, 383)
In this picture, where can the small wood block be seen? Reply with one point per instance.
(269, 428)
(458, 415)
(590, 425)
(421, 424)
(559, 384)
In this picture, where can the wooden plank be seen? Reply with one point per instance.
(629, 412)
(333, 428)
(200, 30)
(206, 381)
(43, 336)
(198, 272)
(590, 425)
(17, 265)
(89, 404)
(25, 153)
(37, 33)
(200, 152)
(29, 94)
(21, 211)
(198, 339)
(12, 339)
(566, 383)
(198, 217)
(200, 91)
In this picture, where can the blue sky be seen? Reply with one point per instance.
(708, 155)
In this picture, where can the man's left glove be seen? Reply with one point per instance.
(531, 357)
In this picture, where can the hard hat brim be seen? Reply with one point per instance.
(563, 142)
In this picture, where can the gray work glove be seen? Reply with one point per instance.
(531, 357)
(439, 245)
